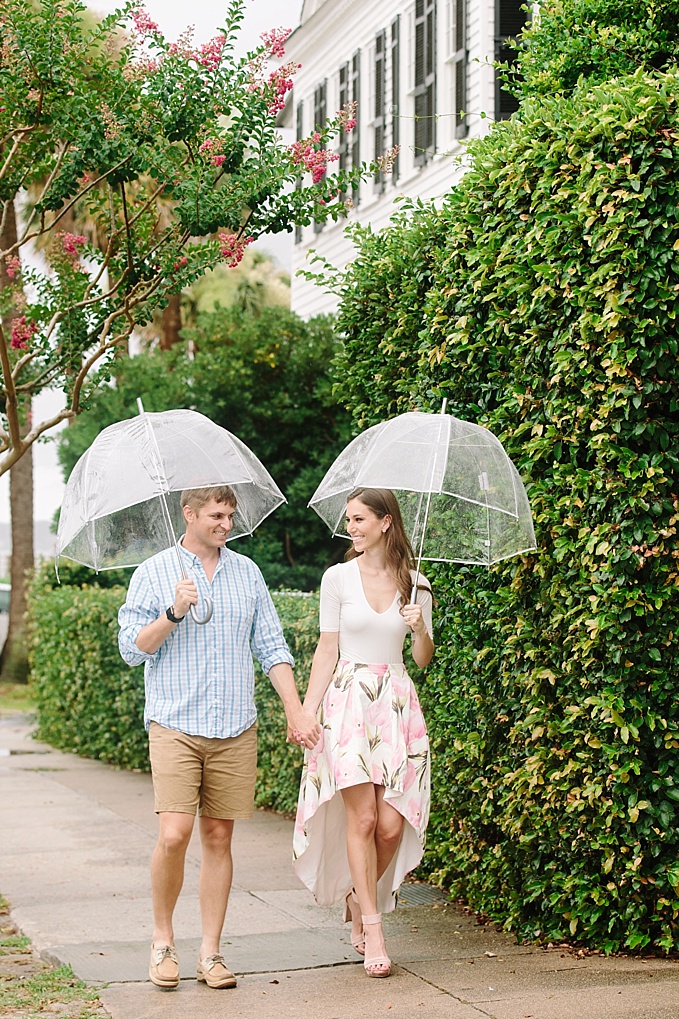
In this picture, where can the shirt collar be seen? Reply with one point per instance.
(193, 558)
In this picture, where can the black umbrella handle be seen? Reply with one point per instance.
(202, 620)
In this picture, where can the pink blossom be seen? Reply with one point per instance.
(233, 247)
(207, 144)
(183, 46)
(274, 41)
(180, 262)
(145, 65)
(346, 117)
(217, 160)
(22, 331)
(313, 159)
(280, 81)
(70, 243)
(210, 53)
(143, 25)
(386, 162)
(12, 266)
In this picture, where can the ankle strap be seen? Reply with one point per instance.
(375, 918)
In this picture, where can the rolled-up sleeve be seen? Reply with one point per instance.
(140, 608)
(267, 639)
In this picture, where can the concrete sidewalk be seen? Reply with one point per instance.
(75, 841)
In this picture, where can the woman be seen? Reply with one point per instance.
(364, 796)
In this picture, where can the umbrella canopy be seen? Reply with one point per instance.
(461, 497)
(121, 503)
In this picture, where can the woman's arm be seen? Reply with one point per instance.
(322, 668)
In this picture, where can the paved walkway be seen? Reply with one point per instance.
(75, 842)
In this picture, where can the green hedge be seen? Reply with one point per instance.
(551, 317)
(280, 763)
(91, 703)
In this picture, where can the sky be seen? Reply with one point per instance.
(172, 16)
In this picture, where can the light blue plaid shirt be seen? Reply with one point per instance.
(201, 680)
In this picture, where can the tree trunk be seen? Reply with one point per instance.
(172, 323)
(14, 657)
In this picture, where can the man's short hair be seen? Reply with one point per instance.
(196, 498)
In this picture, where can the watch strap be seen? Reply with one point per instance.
(171, 616)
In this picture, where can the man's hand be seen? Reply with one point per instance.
(185, 595)
(302, 727)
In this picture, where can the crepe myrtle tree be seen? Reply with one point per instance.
(168, 152)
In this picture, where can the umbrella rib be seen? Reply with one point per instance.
(483, 505)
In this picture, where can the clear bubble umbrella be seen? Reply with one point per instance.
(461, 497)
(122, 501)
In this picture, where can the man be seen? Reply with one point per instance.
(200, 712)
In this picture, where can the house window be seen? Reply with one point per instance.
(355, 84)
(510, 18)
(458, 54)
(425, 80)
(299, 134)
(344, 98)
(379, 107)
(395, 90)
(320, 118)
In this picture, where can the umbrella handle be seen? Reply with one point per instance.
(202, 620)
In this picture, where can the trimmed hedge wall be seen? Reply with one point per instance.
(551, 317)
(91, 703)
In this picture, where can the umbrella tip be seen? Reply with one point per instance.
(140, 405)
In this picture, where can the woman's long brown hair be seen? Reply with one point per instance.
(400, 556)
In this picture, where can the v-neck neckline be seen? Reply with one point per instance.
(365, 596)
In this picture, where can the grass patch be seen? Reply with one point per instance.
(35, 994)
(31, 989)
(16, 697)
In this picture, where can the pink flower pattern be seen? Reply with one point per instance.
(373, 731)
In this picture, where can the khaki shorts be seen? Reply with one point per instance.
(215, 776)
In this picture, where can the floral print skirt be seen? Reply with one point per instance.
(373, 731)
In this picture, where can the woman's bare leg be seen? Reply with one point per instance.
(361, 806)
(388, 831)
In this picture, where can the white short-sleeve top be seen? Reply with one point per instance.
(365, 635)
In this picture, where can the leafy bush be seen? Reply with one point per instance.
(91, 703)
(550, 317)
(595, 40)
(280, 763)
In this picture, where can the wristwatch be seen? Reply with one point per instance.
(171, 616)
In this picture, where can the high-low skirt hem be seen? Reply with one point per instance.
(373, 731)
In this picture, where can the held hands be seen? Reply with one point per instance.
(303, 729)
(185, 595)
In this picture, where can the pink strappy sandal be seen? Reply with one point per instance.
(375, 965)
(357, 940)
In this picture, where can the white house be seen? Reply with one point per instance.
(423, 76)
